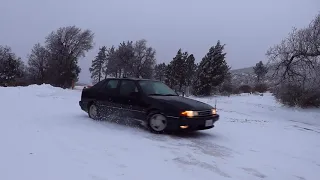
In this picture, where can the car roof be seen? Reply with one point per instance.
(130, 78)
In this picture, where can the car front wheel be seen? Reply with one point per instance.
(94, 111)
(157, 122)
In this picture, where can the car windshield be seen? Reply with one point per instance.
(156, 88)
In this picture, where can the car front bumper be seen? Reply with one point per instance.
(196, 123)
(83, 105)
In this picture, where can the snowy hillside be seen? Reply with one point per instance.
(248, 77)
(45, 136)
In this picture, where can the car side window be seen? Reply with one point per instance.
(98, 85)
(110, 86)
(127, 87)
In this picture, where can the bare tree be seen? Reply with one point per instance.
(65, 46)
(144, 59)
(38, 64)
(11, 66)
(295, 62)
(296, 54)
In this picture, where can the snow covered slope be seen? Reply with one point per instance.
(45, 136)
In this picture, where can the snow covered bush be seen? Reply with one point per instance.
(294, 95)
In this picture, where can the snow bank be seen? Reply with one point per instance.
(34, 90)
(45, 135)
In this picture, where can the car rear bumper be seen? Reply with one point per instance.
(185, 124)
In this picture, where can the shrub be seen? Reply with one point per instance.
(226, 89)
(293, 95)
(261, 88)
(245, 89)
(236, 91)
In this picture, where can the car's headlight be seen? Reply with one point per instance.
(214, 111)
(189, 113)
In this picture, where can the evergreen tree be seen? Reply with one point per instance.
(169, 80)
(176, 70)
(160, 71)
(212, 71)
(226, 87)
(260, 70)
(190, 69)
(111, 65)
(96, 68)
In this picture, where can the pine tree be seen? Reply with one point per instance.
(169, 80)
(160, 71)
(260, 70)
(96, 68)
(176, 70)
(190, 69)
(111, 65)
(212, 71)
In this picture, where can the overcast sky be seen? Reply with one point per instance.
(247, 27)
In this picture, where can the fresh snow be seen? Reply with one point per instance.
(45, 135)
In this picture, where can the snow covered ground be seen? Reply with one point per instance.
(45, 136)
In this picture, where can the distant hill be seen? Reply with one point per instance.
(242, 70)
(247, 76)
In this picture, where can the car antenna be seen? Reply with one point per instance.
(215, 104)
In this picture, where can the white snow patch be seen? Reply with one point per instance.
(45, 135)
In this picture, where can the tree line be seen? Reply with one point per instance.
(137, 59)
(131, 59)
(55, 62)
(294, 64)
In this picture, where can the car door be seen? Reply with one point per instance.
(107, 96)
(130, 100)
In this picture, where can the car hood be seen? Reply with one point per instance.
(182, 103)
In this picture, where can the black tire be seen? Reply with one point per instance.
(152, 128)
(97, 116)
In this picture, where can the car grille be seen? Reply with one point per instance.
(205, 113)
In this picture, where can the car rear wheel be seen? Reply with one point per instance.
(157, 122)
(94, 112)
